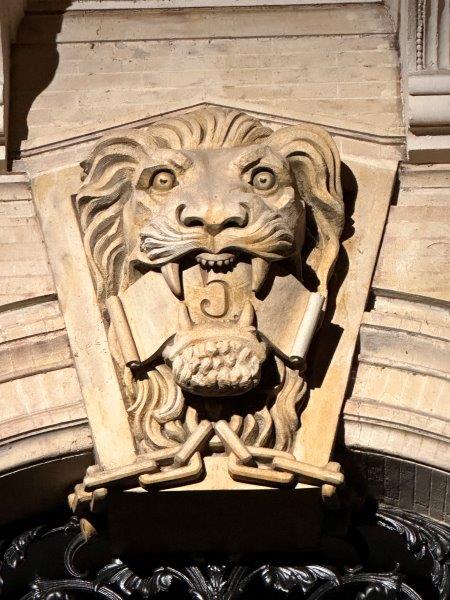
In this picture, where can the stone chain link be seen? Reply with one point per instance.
(183, 464)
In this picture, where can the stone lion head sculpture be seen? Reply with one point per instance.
(213, 187)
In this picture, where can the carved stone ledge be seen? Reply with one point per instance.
(77, 5)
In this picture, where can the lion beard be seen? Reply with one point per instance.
(224, 366)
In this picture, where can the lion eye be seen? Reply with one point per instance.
(263, 180)
(163, 181)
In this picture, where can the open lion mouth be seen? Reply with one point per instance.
(223, 263)
(269, 237)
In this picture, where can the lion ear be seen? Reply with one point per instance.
(316, 166)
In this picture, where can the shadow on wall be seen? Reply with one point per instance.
(326, 341)
(33, 67)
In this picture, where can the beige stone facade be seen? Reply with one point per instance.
(363, 70)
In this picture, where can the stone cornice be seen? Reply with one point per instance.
(104, 5)
(69, 148)
(90, 136)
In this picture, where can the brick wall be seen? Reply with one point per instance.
(81, 71)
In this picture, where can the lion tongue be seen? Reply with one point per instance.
(260, 268)
(171, 273)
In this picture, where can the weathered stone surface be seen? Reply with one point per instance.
(24, 271)
(421, 267)
(338, 66)
(245, 22)
(113, 67)
(425, 49)
(193, 263)
(41, 409)
(399, 400)
(371, 192)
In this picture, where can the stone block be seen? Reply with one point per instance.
(415, 256)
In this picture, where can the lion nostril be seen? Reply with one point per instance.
(186, 219)
(212, 223)
(193, 222)
(215, 227)
(233, 222)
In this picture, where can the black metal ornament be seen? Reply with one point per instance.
(24, 560)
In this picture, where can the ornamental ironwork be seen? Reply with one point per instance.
(51, 562)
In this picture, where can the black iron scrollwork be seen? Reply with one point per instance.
(423, 539)
(118, 576)
(213, 582)
(17, 549)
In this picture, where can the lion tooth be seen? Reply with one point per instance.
(219, 263)
(171, 273)
(211, 263)
(247, 315)
(204, 262)
(260, 268)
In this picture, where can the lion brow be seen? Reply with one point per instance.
(251, 158)
(173, 158)
(180, 160)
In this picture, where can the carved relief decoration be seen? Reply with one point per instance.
(211, 239)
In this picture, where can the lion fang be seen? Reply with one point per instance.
(171, 273)
(260, 268)
(247, 315)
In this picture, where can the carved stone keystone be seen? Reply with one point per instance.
(211, 239)
(197, 232)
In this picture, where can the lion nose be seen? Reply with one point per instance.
(215, 220)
